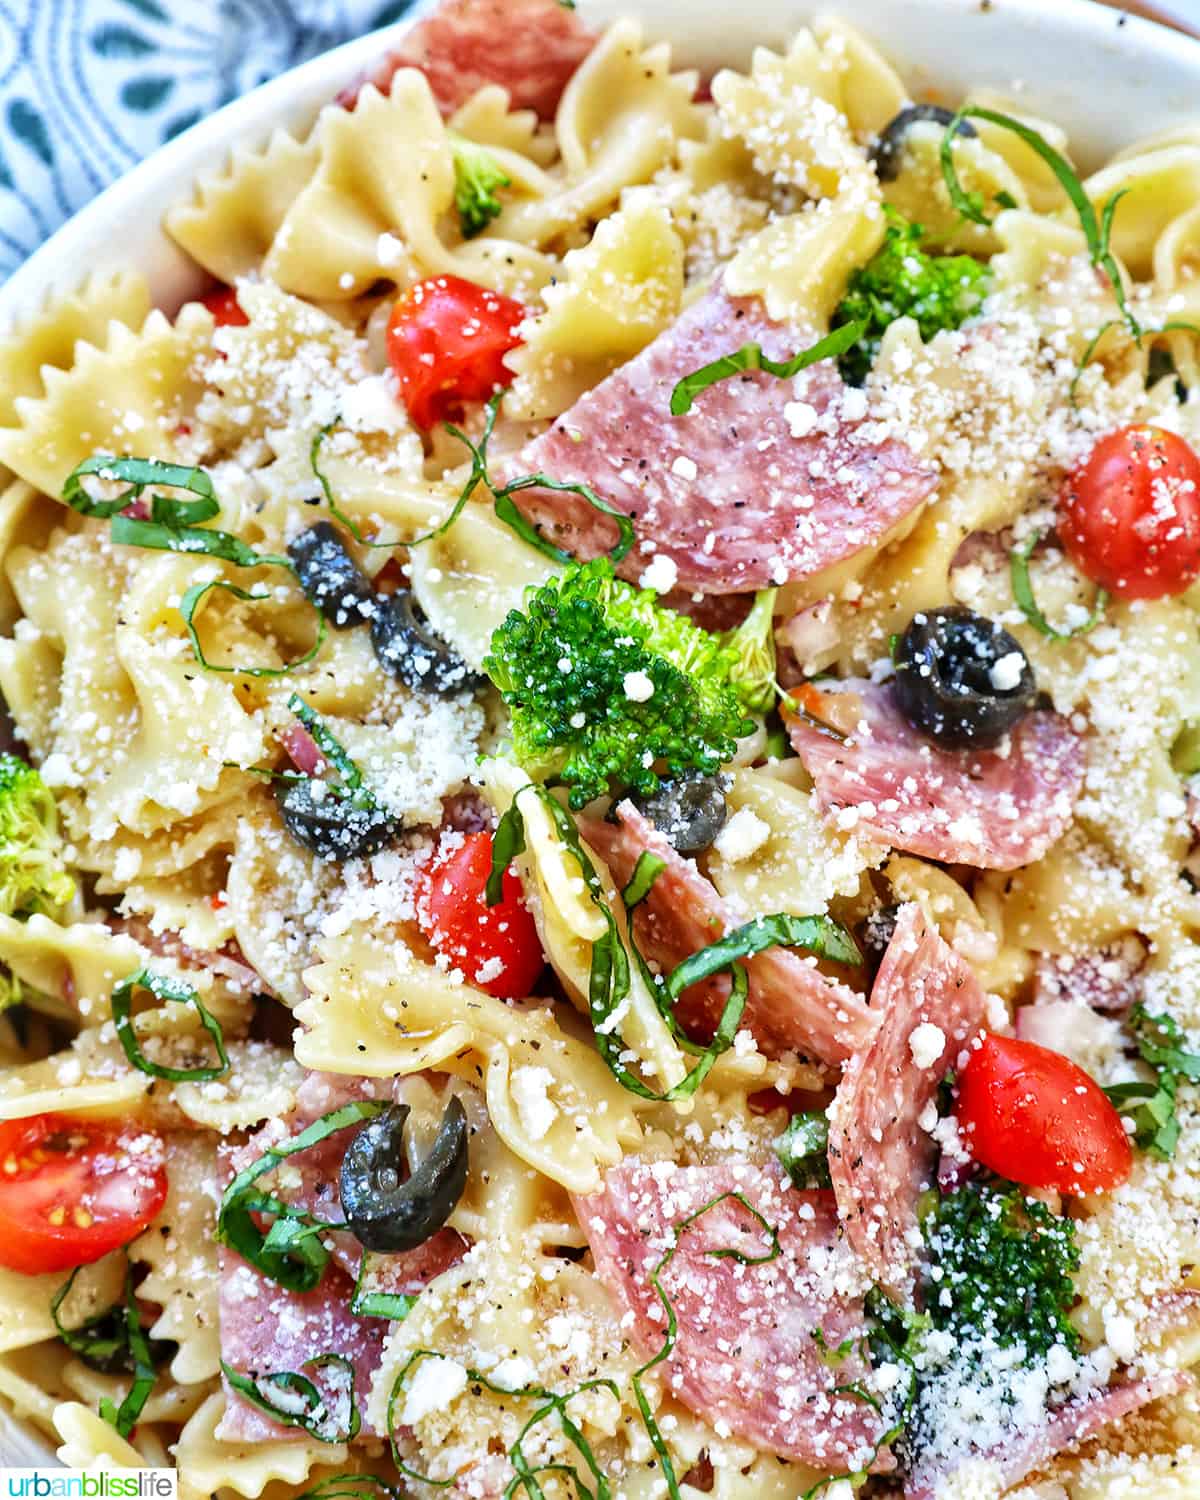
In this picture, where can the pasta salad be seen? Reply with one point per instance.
(599, 818)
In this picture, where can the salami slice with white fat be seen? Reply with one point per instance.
(1062, 1431)
(529, 47)
(994, 809)
(763, 481)
(791, 1006)
(881, 1159)
(749, 1349)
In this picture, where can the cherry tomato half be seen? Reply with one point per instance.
(1129, 516)
(447, 339)
(225, 308)
(1036, 1118)
(72, 1189)
(496, 947)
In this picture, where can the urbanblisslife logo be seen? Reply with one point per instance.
(98, 1484)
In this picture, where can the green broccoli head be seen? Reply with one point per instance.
(902, 281)
(1005, 1265)
(603, 684)
(477, 175)
(32, 876)
(753, 645)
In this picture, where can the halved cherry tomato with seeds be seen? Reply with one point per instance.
(496, 947)
(225, 308)
(1129, 516)
(1037, 1118)
(72, 1189)
(447, 339)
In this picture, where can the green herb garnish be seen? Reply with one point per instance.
(164, 988)
(820, 935)
(1022, 587)
(750, 357)
(314, 1416)
(296, 1258)
(1097, 231)
(803, 1150)
(647, 870)
(1158, 1039)
(902, 281)
(112, 1340)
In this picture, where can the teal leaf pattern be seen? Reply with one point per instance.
(96, 85)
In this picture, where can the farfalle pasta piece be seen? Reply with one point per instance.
(231, 220)
(618, 123)
(207, 1465)
(613, 296)
(128, 395)
(386, 169)
(48, 337)
(488, 119)
(375, 1010)
(1157, 188)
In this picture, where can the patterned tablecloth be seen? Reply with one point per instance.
(89, 87)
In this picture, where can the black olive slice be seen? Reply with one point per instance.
(388, 1211)
(331, 579)
(888, 151)
(689, 811)
(332, 826)
(961, 679)
(408, 648)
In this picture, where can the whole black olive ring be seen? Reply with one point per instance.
(386, 1210)
(961, 679)
(888, 151)
(689, 811)
(409, 649)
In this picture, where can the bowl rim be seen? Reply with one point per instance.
(287, 100)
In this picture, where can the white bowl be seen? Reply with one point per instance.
(1106, 77)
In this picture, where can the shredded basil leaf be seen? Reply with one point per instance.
(191, 602)
(505, 508)
(300, 1264)
(139, 474)
(672, 1333)
(507, 842)
(127, 1342)
(351, 786)
(164, 988)
(366, 1303)
(1097, 232)
(647, 870)
(751, 357)
(1022, 587)
(352, 1487)
(1158, 1039)
(1094, 344)
(820, 935)
(315, 1416)
(314, 454)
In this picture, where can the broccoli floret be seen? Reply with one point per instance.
(477, 175)
(753, 644)
(602, 682)
(32, 877)
(902, 281)
(1006, 1265)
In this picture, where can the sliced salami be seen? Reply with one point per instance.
(763, 481)
(791, 1007)
(880, 1157)
(529, 47)
(1062, 1431)
(749, 1347)
(265, 1329)
(994, 809)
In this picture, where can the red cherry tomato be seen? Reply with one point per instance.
(1129, 516)
(72, 1189)
(1036, 1118)
(225, 308)
(496, 947)
(447, 339)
